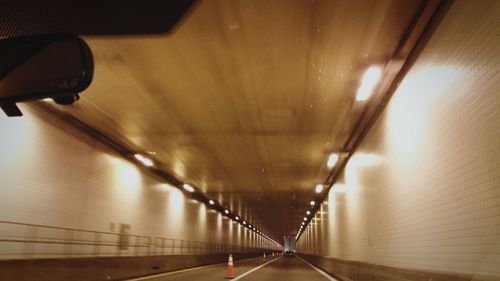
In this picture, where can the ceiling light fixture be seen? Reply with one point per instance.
(244, 222)
(188, 188)
(144, 160)
(370, 79)
(237, 218)
(319, 188)
(305, 218)
(226, 211)
(312, 203)
(211, 202)
(332, 160)
(308, 212)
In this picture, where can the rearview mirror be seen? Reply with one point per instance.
(49, 66)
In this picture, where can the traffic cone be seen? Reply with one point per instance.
(230, 269)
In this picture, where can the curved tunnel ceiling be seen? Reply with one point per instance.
(245, 99)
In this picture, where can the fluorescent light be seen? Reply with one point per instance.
(312, 203)
(144, 160)
(308, 212)
(319, 188)
(369, 81)
(188, 188)
(226, 211)
(332, 160)
(211, 202)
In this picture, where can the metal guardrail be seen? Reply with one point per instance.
(29, 241)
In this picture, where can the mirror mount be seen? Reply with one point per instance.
(49, 66)
(11, 109)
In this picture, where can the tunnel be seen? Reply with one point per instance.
(258, 140)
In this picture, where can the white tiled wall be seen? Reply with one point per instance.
(52, 175)
(423, 190)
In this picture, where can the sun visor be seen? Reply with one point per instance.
(108, 17)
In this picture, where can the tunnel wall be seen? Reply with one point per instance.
(65, 197)
(422, 192)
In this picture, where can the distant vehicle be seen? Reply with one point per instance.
(289, 254)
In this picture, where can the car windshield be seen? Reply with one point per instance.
(254, 140)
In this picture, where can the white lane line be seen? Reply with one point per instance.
(320, 271)
(174, 272)
(252, 270)
(195, 268)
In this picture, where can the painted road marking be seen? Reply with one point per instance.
(320, 271)
(196, 268)
(174, 272)
(252, 270)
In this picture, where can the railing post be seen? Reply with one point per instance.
(149, 245)
(68, 240)
(163, 246)
(136, 244)
(97, 241)
(28, 250)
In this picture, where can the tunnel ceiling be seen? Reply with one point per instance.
(245, 99)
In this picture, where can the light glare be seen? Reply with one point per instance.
(319, 188)
(340, 188)
(308, 212)
(312, 203)
(226, 211)
(365, 159)
(369, 81)
(211, 202)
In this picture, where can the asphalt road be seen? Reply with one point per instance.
(281, 268)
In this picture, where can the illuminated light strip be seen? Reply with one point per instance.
(188, 187)
(144, 160)
(332, 160)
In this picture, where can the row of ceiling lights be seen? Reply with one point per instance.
(148, 162)
(369, 81)
(333, 158)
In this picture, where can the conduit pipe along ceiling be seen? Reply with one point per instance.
(369, 81)
(252, 120)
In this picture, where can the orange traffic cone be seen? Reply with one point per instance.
(230, 269)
